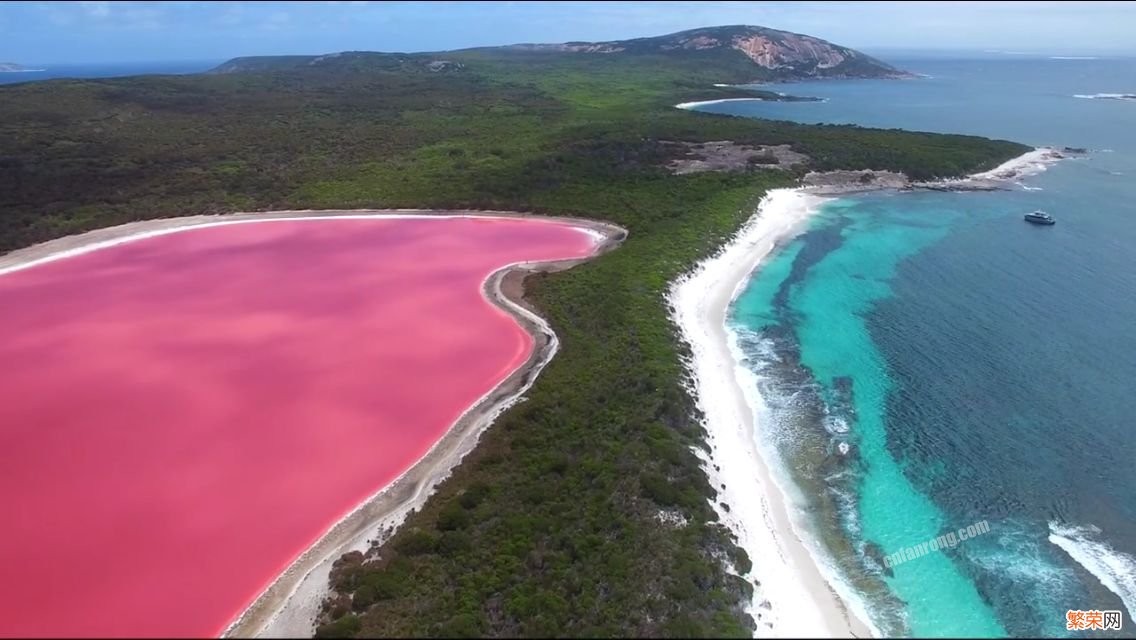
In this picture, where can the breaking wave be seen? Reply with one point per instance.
(1130, 97)
(1114, 569)
(756, 356)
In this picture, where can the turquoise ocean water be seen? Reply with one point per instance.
(931, 361)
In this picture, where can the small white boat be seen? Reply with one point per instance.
(1040, 217)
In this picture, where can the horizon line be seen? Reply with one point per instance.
(1008, 54)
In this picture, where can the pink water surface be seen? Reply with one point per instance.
(181, 416)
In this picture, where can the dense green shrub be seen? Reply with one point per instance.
(345, 627)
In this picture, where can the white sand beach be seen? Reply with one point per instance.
(1028, 164)
(799, 600)
(691, 105)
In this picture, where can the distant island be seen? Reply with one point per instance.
(12, 67)
(758, 53)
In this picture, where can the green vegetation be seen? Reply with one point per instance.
(550, 527)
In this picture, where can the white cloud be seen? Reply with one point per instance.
(141, 18)
(233, 15)
(57, 13)
(276, 20)
(96, 9)
(108, 14)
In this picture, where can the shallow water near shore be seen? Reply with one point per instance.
(931, 361)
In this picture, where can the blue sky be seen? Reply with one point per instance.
(55, 32)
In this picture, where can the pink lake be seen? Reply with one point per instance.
(181, 416)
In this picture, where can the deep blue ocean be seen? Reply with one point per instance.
(931, 361)
(105, 70)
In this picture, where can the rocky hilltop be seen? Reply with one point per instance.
(781, 54)
(756, 53)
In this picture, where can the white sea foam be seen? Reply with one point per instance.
(1114, 569)
(764, 410)
(745, 467)
(1019, 556)
(1107, 96)
(836, 425)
